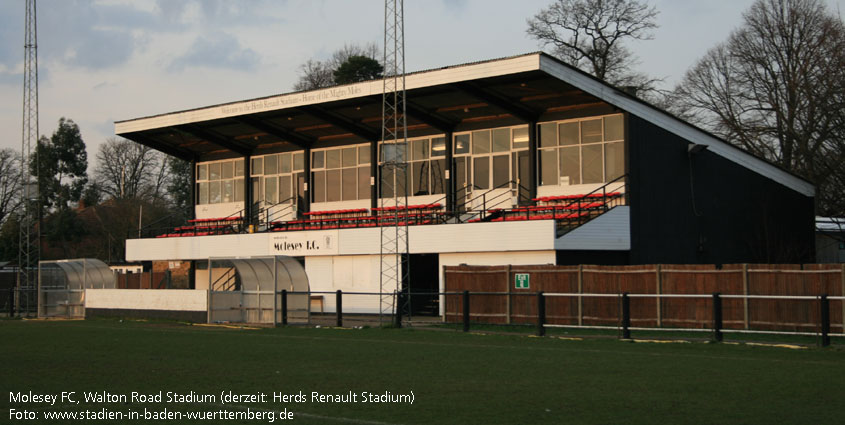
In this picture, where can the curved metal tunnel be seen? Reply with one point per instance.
(259, 299)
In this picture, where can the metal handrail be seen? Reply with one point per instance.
(268, 217)
(579, 201)
(483, 212)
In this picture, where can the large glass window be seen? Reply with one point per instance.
(274, 177)
(493, 158)
(426, 168)
(582, 151)
(220, 182)
(341, 174)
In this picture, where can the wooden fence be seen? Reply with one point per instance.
(144, 280)
(513, 305)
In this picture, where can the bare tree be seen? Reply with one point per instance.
(315, 74)
(590, 35)
(776, 88)
(342, 55)
(126, 169)
(10, 179)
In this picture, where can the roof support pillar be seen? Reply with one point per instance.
(306, 197)
(533, 169)
(192, 213)
(450, 170)
(374, 174)
(248, 193)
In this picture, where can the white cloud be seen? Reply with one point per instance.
(218, 50)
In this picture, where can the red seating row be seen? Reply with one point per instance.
(337, 212)
(575, 197)
(573, 206)
(410, 207)
(179, 235)
(351, 222)
(560, 216)
(214, 220)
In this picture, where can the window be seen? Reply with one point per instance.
(492, 161)
(274, 176)
(582, 151)
(220, 182)
(340, 174)
(426, 168)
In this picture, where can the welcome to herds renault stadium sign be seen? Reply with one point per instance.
(305, 243)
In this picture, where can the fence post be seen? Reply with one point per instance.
(842, 293)
(339, 308)
(825, 319)
(466, 310)
(397, 318)
(508, 290)
(659, 290)
(541, 314)
(717, 317)
(11, 302)
(745, 292)
(285, 307)
(580, 298)
(626, 316)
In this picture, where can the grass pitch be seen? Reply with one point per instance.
(455, 377)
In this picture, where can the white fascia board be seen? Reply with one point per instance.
(673, 125)
(449, 75)
(610, 231)
(534, 235)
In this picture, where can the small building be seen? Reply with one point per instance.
(830, 239)
(521, 160)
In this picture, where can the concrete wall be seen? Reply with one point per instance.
(146, 299)
(351, 273)
(472, 237)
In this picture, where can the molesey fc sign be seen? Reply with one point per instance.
(521, 280)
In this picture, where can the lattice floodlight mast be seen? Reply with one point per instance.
(393, 176)
(28, 246)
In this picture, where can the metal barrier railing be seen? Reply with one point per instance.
(467, 308)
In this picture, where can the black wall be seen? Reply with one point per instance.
(740, 216)
(597, 258)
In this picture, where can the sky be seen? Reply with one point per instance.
(100, 61)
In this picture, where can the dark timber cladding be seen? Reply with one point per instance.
(702, 208)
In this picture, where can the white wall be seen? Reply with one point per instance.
(147, 299)
(218, 210)
(340, 205)
(609, 231)
(578, 189)
(537, 235)
(351, 273)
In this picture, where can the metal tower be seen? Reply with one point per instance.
(395, 269)
(28, 246)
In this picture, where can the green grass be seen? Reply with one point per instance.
(455, 377)
(664, 334)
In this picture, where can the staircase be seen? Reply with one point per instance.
(228, 281)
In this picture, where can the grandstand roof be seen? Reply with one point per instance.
(521, 88)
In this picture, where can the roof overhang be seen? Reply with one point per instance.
(493, 93)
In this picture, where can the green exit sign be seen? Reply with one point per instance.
(521, 280)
